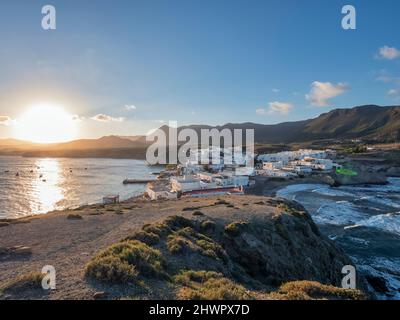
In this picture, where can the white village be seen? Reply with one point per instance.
(217, 176)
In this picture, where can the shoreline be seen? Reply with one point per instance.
(68, 239)
(264, 186)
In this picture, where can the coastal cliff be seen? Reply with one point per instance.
(241, 247)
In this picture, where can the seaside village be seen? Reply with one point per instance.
(216, 177)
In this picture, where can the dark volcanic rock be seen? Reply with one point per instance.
(378, 283)
(362, 177)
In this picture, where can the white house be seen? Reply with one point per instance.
(185, 184)
(272, 165)
(157, 192)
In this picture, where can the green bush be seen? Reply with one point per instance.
(24, 282)
(312, 290)
(149, 238)
(127, 260)
(206, 285)
(177, 244)
(207, 225)
(111, 269)
(235, 228)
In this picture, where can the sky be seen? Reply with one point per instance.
(123, 67)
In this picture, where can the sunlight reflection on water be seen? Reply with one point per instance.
(46, 191)
(34, 186)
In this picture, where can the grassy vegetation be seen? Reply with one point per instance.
(235, 228)
(312, 290)
(149, 238)
(177, 244)
(178, 222)
(158, 256)
(24, 282)
(206, 285)
(207, 225)
(126, 261)
(291, 210)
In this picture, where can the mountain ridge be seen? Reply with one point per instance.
(367, 122)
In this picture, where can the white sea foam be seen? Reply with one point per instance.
(359, 206)
(333, 192)
(294, 188)
(342, 214)
(388, 222)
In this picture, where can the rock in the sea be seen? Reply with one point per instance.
(362, 177)
(378, 283)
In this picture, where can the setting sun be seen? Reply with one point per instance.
(46, 123)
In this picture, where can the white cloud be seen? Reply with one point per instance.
(389, 53)
(77, 118)
(276, 107)
(282, 108)
(275, 90)
(105, 118)
(384, 78)
(130, 107)
(6, 121)
(321, 92)
(394, 92)
(261, 111)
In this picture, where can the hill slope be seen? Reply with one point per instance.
(371, 122)
(365, 122)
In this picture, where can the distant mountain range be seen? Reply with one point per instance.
(370, 122)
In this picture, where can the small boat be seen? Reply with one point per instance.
(137, 181)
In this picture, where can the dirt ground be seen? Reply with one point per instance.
(68, 244)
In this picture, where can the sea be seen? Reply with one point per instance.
(30, 186)
(362, 220)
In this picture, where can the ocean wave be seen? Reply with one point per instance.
(389, 222)
(342, 214)
(384, 268)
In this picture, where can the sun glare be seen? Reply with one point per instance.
(46, 123)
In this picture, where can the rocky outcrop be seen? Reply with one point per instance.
(363, 174)
(259, 251)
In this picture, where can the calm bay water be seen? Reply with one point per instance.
(44, 185)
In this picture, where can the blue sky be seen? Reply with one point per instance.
(204, 61)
